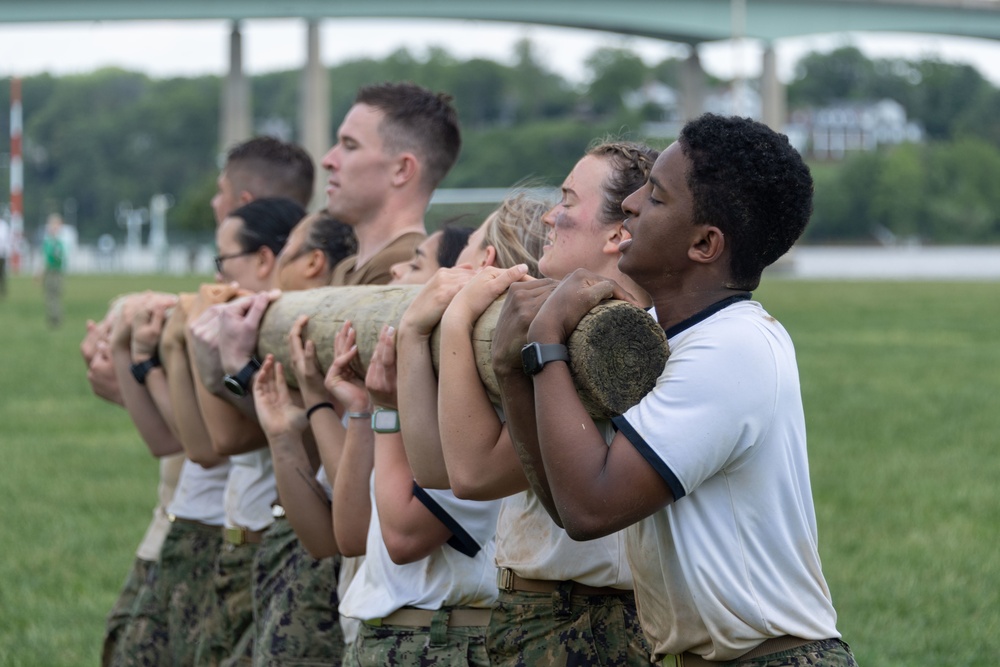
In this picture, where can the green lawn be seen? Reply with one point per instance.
(900, 382)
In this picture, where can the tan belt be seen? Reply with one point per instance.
(239, 536)
(508, 581)
(462, 617)
(773, 645)
(179, 519)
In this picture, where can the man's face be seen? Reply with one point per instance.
(360, 170)
(226, 199)
(237, 265)
(660, 223)
(576, 234)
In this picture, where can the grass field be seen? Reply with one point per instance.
(900, 382)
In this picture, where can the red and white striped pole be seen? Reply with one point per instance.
(16, 176)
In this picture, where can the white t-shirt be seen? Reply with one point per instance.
(251, 490)
(534, 547)
(156, 532)
(734, 560)
(199, 493)
(458, 574)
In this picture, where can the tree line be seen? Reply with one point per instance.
(94, 140)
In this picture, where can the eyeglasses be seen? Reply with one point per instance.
(219, 259)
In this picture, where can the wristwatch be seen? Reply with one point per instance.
(534, 356)
(385, 421)
(239, 384)
(141, 369)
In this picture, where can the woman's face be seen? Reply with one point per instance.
(474, 254)
(421, 267)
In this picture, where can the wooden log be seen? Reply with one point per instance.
(616, 353)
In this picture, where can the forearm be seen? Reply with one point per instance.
(229, 429)
(147, 418)
(418, 409)
(519, 402)
(480, 461)
(159, 392)
(351, 499)
(187, 415)
(305, 501)
(409, 529)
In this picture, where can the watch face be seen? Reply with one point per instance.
(233, 385)
(385, 421)
(531, 359)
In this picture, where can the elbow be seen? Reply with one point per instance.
(206, 461)
(583, 528)
(352, 550)
(350, 546)
(229, 444)
(319, 551)
(428, 480)
(468, 488)
(404, 549)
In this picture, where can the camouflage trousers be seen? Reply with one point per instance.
(167, 615)
(825, 653)
(227, 636)
(121, 613)
(437, 646)
(295, 603)
(562, 629)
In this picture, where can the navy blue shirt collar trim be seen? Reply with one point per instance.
(706, 313)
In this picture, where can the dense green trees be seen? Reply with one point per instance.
(94, 140)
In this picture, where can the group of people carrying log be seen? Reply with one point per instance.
(379, 507)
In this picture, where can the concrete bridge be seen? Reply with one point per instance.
(686, 21)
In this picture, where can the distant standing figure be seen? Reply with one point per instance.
(5, 248)
(54, 255)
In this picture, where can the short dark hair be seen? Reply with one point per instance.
(269, 167)
(630, 166)
(747, 180)
(335, 238)
(453, 241)
(418, 120)
(267, 222)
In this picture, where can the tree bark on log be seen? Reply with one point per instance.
(616, 353)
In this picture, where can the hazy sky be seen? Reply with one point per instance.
(167, 48)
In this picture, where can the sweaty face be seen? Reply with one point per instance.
(237, 265)
(226, 199)
(418, 270)
(575, 233)
(660, 222)
(360, 170)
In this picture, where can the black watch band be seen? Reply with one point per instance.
(239, 383)
(534, 356)
(141, 369)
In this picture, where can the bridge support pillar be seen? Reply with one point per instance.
(314, 108)
(692, 86)
(772, 92)
(236, 116)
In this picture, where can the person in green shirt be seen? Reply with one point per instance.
(54, 256)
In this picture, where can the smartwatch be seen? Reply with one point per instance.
(239, 384)
(534, 356)
(141, 369)
(385, 421)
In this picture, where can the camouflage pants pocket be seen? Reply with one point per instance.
(826, 653)
(559, 629)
